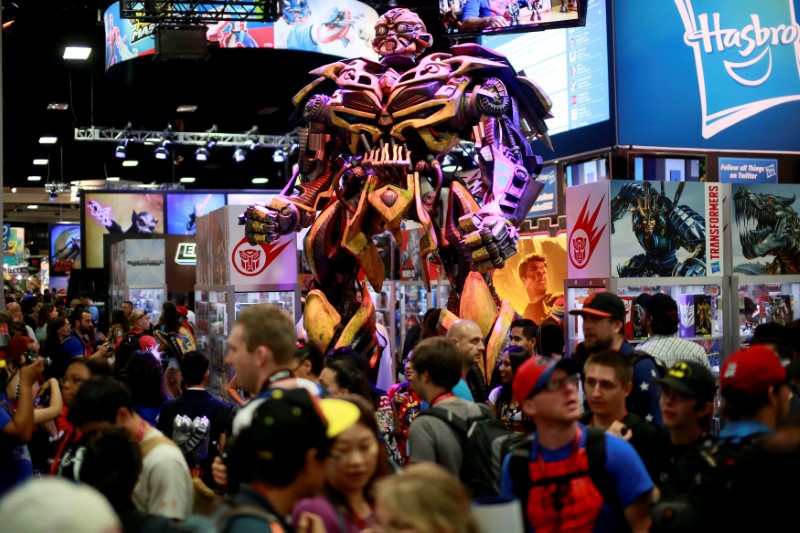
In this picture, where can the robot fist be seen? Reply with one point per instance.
(488, 239)
(267, 223)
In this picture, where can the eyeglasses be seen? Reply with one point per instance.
(557, 384)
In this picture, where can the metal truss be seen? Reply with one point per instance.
(122, 135)
(177, 12)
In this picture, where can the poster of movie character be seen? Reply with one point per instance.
(13, 245)
(410, 260)
(658, 229)
(766, 229)
(533, 279)
(65, 248)
(119, 213)
(183, 210)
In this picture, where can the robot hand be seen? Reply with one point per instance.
(267, 223)
(488, 239)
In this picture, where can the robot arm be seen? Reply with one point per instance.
(624, 200)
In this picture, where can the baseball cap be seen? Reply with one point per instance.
(294, 421)
(661, 305)
(690, 378)
(602, 304)
(752, 370)
(183, 310)
(531, 377)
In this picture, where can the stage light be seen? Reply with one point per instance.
(239, 155)
(52, 196)
(120, 152)
(278, 156)
(162, 152)
(201, 154)
(130, 163)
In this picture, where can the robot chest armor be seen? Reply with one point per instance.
(389, 102)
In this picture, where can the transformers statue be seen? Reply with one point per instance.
(371, 155)
(662, 227)
(768, 225)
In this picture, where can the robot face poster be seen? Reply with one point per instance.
(766, 229)
(659, 229)
(533, 279)
(119, 213)
(65, 248)
(183, 210)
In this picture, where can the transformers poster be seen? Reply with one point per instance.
(533, 279)
(766, 232)
(103, 213)
(658, 229)
(65, 248)
(183, 210)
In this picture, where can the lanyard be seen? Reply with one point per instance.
(442, 396)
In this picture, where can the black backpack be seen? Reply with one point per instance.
(661, 368)
(130, 343)
(595, 456)
(484, 443)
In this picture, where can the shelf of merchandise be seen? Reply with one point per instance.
(786, 287)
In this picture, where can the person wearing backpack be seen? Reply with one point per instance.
(137, 338)
(436, 365)
(603, 316)
(569, 477)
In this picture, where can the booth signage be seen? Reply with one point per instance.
(747, 170)
(186, 253)
(588, 230)
(547, 202)
(144, 262)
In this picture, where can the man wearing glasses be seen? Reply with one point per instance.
(533, 273)
(568, 477)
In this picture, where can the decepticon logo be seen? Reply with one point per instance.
(584, 236)
(746, 61)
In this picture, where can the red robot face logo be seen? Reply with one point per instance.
(253, 260)
(583, 239)
(249, 259)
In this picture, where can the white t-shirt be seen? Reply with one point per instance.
(165, 484)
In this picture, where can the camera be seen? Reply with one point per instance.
(31, 357)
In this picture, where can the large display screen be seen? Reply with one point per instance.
(571, 65)
(183, 210)
(118, 213)
(491, 17)
(343, 28)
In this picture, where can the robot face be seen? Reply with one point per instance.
(400, 35)
(296, 11)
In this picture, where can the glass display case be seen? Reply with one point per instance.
(702, 305)
(216, 309)
(764, 299)
(414, 301)
(150, 299)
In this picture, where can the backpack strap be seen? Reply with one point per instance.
(602, 480)
(240, 511)
(447, 416)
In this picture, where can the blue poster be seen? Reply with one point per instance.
(183, 210)
(65, 248)
(708, 74)
(547, 202)
(747, 170)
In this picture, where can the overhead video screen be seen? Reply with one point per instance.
(571, 65)
(492, 17)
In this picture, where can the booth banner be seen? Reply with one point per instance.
(647, 239)
(65, 248)
(588, 231)
(712, 74)
(264, 264)
(716, 198)
(132, 213)
(532, 280)
(14, 246)
(547, 202)
(183, 210)
(748, 170)
(144, 262)
(765, 239)
(344, 28)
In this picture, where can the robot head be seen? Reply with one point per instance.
(400, 36)
(295, 11)
(651, 211)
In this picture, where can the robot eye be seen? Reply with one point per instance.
(381, 30)
(402, 28)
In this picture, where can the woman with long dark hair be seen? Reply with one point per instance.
(501, 401)
(146, 385)
(46, 313)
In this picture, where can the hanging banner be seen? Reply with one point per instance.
(588, 231)
(144, 262)
(65, 248)
(14, 246)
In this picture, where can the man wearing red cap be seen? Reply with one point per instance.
(603, 322)
(570, 478)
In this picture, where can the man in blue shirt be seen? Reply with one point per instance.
(480, 14)
(16, 427)
(573, 501)
(603, 328)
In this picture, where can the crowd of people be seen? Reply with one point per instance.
(611, 439)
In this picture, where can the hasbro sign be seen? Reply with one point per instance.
(711, 74)
(747, 170)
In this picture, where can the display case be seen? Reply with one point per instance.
(764, 299)
(149, 299)
(702, 304)
(414, 300)
(138, 275)
(216, 310)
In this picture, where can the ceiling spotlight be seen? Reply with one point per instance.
(278, 156)
(260, 181)
(161, 152)
(112, 178)
(48, 140)
(40, 162)
(201, 154)
(187, 179)
(80, 53)
(57, 106)
(33, 206)
(130, 163)
(255, 145)
(34, 178)
(120, 152)
(52, 196)
(239, 155)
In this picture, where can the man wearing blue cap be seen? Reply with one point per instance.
(568, 477)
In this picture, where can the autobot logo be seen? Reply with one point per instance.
(253, 260)
(584, 236)
(747, 56)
